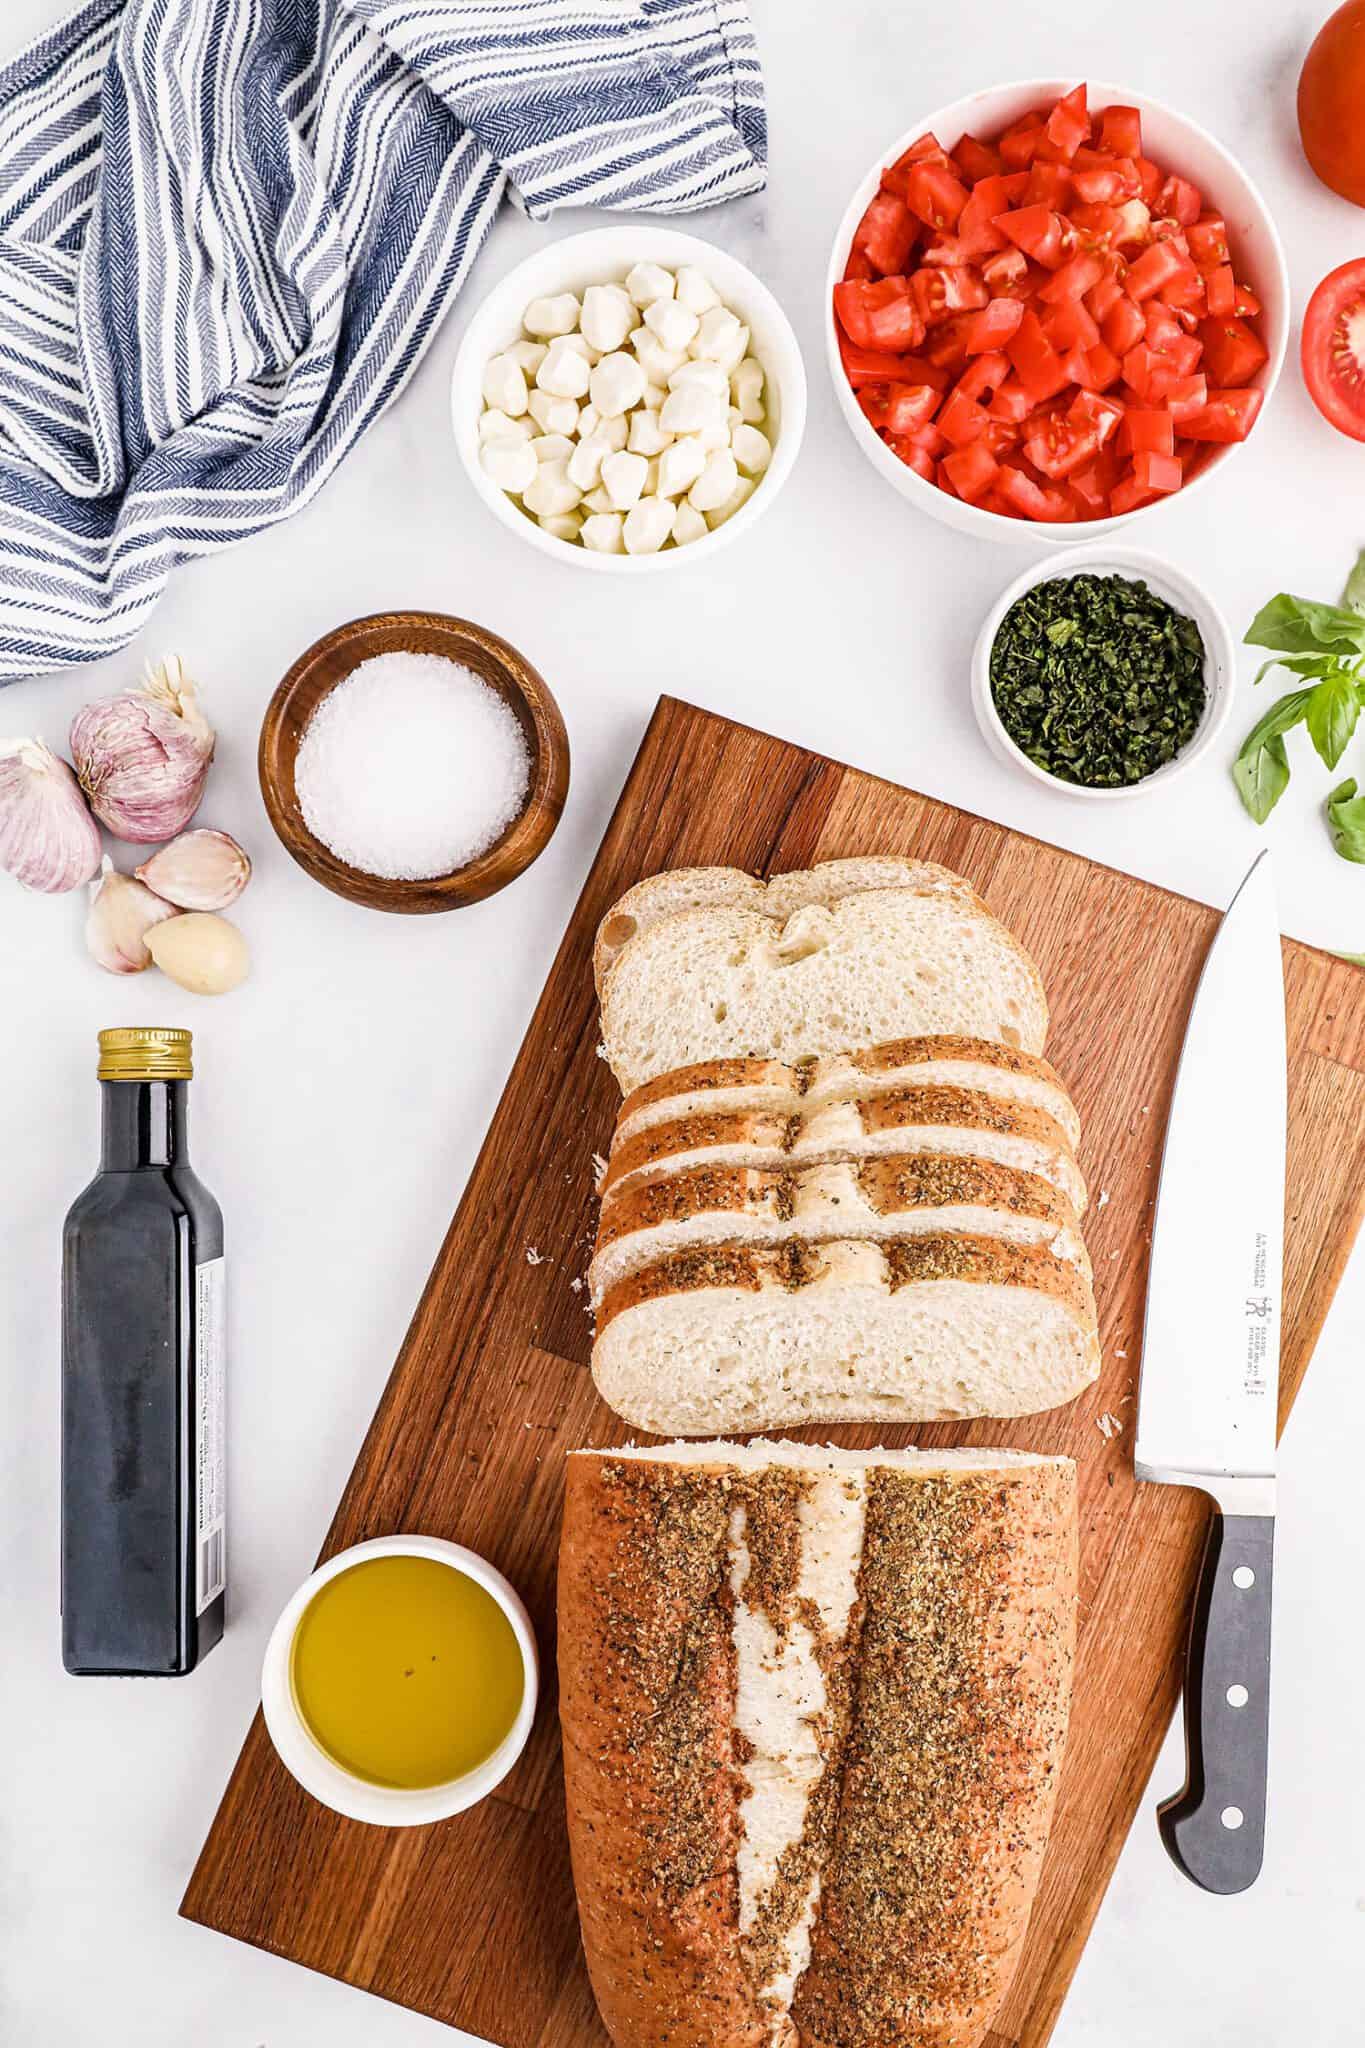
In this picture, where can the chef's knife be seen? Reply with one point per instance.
(1210, 1373)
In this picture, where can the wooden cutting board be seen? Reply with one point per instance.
(473, 1920)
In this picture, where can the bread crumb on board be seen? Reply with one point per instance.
(535, 1258)
(1108, 1425)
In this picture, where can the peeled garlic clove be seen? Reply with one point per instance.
(200, 952)
(48, 839)
(122, 911)
(142, 757)
(198, 871)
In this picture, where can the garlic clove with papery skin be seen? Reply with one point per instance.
(200, 952)
(142, 757)
(48, 839)
(200, 870)
(122, 911)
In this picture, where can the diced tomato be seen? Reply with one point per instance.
(1228, 416)
(1048, 185)
(1011, 404)
(1154, 267)
(961, 420)
(1033, 322)
(1185, 396)
(976, 229)
(1121, 131)
(940, 293)
(1232, 353)
(1019, 145)
(1180, 200)
(886, 234)
(1068, 327)
(1106, 415)
(868, 366)
(1156, 472)
(973, 470)
(1123, 326)
(1039, 232)
(1149, 180)
(1074, 279)
(909, 406)
(1160, 326)
(976, 160)
(936, 195)
(883, 315)
(1068, 125)
(1005, 271)
(1152, 432)
(1061, 445)
(1104, 296)
(914, 458)
(992, 327)
(1208, 240)
(985, 373)
(947, 345)
(1033, 501)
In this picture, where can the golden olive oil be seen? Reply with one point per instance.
(406, 1672)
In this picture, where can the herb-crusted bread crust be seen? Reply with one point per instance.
(940, 1743)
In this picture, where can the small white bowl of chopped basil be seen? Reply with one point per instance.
(1104, 673)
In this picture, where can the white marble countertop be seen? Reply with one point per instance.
(343, 1094)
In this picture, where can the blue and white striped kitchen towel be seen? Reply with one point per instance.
(229, 228)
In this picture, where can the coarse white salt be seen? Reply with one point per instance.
(411, 767)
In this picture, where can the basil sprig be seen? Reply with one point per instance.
(1324, 645)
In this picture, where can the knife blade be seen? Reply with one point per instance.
(1209, 1390)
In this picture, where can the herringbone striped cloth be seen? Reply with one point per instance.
(229, 229)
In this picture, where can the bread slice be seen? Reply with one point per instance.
(723, 982)
(899, 1195)
(814, 1705)
(915, 1329)
(961, 1121)
(941, 1061)
(664, 895)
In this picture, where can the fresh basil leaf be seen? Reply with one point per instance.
(1296, 625)
(1285, 712)
(1333, 708)
(1302, 665)
(1353, 597)
(1262, 776)
(1346, 816)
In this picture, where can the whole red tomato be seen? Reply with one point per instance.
(1332, 102)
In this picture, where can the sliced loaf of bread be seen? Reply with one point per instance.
(900, 1195)
(882, 964)
(783, 1090)
(962, 1121)
(916, 1329)
(664, 895)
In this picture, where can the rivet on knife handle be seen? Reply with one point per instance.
(1215, 1828)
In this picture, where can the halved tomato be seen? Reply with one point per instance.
(1333, 353)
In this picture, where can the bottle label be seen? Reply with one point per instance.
(210, 1574)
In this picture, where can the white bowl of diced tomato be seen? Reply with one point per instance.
(1051, 307)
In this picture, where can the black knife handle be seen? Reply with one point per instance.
(1214, 1829)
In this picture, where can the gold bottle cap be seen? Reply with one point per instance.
(145, 1052)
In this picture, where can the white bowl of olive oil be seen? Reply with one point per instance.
(399, 1684)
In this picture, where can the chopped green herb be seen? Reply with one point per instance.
(1097, 679)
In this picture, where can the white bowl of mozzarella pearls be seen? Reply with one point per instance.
(627, 395)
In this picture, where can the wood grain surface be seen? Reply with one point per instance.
(473, 1920)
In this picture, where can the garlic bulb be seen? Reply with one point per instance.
(48, 839)
(204, 954)
(198, 871)
(142, 757)
(122, 911)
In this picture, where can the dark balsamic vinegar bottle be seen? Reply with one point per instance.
(143, 1475)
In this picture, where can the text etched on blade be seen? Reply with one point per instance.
(1261, 1321)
